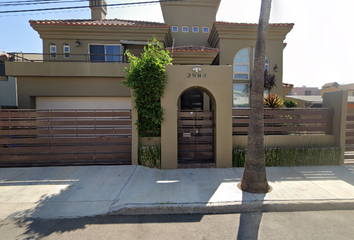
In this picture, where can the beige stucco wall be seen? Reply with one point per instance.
(288, 141)
(200, 16)
(149, 141)
(30, 87)
(218, 85)
(338, 100)
(61, 34)
(274, 50)
(199, 13)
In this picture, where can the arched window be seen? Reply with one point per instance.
(66, 50)
(53, 50)
(242, 64)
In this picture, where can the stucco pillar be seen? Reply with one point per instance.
(216, 81)
(338, 101)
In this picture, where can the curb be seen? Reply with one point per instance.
(232, 207)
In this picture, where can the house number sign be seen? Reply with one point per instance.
(196, 73)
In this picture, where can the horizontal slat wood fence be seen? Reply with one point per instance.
(64, 137)
(287, 121)
(349, 140)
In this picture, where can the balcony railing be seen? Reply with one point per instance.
(68, 57)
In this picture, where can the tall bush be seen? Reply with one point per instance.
(290, 104)
(146, 76)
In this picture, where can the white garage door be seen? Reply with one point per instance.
(83, 103)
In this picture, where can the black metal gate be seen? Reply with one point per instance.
(196, 139)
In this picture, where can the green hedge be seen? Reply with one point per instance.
(305, 156)
(149, 156)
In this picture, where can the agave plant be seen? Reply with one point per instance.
(273, 101)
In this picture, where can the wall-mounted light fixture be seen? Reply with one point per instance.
(77, 43)
(275, 68)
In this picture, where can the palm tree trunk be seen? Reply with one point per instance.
(254, 178)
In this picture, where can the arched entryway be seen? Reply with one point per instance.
(196, 129)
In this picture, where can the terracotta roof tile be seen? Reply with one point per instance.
(105, 22)
(254, 24)
(193, 48)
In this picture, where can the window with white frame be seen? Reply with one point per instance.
(266, 63)
(105, 53)
(53, 50)
(205, 29)
(66, 50)
(241, 96)
(195, 29)
(242, 64)
(174, 28)
(185, 29)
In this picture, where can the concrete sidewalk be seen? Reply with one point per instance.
(67, 192)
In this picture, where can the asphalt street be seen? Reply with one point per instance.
(256, 225)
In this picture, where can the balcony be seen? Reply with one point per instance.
(66, 65)
(68, 57)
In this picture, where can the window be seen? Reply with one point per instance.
(195, 29)
(53, 50)
(205, 29)
(308, 92)
(2, 68)
(241, 96)
(105, 53)
(174, 28)
(241, 64)
(185, 29)
(66, 50)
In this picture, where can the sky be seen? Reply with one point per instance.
(320, 46)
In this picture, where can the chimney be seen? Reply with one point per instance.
(98, 9)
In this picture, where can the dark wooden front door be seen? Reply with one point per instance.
(196, 139)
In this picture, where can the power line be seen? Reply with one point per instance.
(77, 7)
(24, 3)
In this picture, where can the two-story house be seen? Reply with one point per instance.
(83, 65)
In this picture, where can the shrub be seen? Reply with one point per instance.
(146, 76)
(290, 104)
(281, 156)
(273, 101)
(269, 81)
(149, 156)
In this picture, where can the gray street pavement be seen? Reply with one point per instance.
(80, 191)
(311, 225)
